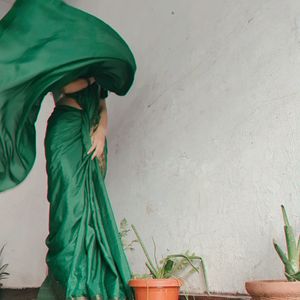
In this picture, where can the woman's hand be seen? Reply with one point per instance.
(98, 142)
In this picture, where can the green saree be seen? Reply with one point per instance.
(43, 46)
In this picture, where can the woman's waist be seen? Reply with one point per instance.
(68, 109)
(66, 101)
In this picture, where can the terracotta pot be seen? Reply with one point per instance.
(156, 289)
(275, 289)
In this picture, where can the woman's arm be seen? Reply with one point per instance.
(103, 123)
(98, 136)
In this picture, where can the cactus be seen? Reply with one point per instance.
(291, 259)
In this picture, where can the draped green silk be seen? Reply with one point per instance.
(45, 44)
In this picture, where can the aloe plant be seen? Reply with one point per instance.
(3, 273)
(171, 265)
(291, 259)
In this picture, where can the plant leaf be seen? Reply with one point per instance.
(285, 217)
(154, 254)
(150, 263)
(290, 241)
(296, 276)
(167, 268)
(288, 266)
(153, 272)
(189, 259)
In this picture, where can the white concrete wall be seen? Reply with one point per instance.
(205, 147)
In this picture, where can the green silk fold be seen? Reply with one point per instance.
(45, 44)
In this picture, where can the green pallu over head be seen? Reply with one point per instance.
(43, 46)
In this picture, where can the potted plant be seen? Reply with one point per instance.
(281, 289)
(3, 267)
(163, 282)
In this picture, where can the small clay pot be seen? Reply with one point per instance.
(273, 289)
(156, 289)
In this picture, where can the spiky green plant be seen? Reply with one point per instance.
(291, 259)
(172, 265)
(3, 273)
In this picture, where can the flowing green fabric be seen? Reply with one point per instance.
(45, 44)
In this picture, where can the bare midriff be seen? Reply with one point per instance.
(74, 87)
(69, 102)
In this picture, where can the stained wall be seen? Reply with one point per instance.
(204, 148)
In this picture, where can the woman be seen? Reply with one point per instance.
(51, 46)
(85, 256)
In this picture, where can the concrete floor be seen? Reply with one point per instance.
(22, 294)
(31, 294)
